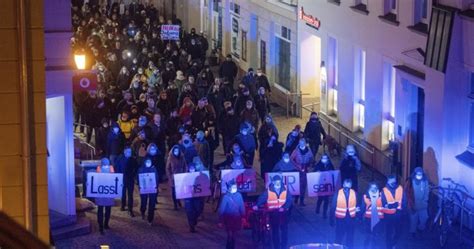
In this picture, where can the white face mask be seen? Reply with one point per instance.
(148, 164)
(233, 189)
(419, 177)
(116, 130)
(286, 160)
(324, 161)
(259, 74)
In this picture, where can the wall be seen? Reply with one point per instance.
(12, 186)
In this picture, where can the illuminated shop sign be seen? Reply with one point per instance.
(309, 19)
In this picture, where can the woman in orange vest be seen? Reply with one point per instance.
(104, 203)
(344, 208)
(278, 201)
(373, 215)
(395, 202)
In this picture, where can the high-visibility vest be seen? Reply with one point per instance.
(274, 201)
(390, 200)
(99, 169)
(368, 207)
(342, 205)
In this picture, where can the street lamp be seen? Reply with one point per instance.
(80, 60)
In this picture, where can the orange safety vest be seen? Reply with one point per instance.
(390, 200)
(342, 206)
(368, 207)
(274, 201)
(99, 169)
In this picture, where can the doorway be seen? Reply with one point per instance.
(310, 72)
(414, 127)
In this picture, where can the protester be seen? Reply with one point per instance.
(148, 200)
(343, 210)
(395, 202)
(285, 164)
(302, 158)
(324, 164)
(104, 205)
(417, 192)
(278, 201)
(194, 206)
(231, 213)
(350, 166)
(313, 132)
(127, 165)
(175, 165)
(373, 215)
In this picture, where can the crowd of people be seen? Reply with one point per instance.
(159, 108)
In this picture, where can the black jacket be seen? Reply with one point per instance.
(313, 132)
(128, 167)
(115, 143)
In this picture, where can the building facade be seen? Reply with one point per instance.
(385, 78)
(258, 34)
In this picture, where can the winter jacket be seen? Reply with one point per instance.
(175, 165)
(313, 131)
(203, 151)
(282, 166)
(231, 211)
(246, 142)
(128, 167)
(302, 159)
(115, 143)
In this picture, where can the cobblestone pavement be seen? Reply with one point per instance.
(170, 228)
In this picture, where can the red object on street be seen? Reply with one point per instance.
(84, 81)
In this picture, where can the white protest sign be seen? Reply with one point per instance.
(246, 179)
(104, 185)
(170, 32)
(323, 183)
(194, 184)
(147, 183)
(290, 179)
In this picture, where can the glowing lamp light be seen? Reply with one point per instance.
(80, 60)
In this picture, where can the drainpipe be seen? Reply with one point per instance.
(25, 114)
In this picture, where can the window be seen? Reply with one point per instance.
(244, 45)
(424, 11)
(388, 125)
(361, 6)
(289, 2)
(359, 88)
(282, 72)
(421, 18)
(235, 8)
(332, 70)
(263, 56)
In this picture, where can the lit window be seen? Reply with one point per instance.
(332, 75)
(361, 116)
(359, 87)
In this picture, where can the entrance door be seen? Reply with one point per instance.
(414, 122)
(310, 72)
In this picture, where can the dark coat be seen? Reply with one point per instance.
(313, 131)
(228, 69)
(128, 167)
(115, 143)
(231, 211)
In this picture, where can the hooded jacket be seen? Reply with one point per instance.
(175, 165)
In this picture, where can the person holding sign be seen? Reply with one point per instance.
(324, 164)
(373, 214)
(104, 203)
(344, 208)
(195, 205)
(278, 201)
(302, 158)
(175, 165)
(285, 164)
(148, 181)
(231, 212)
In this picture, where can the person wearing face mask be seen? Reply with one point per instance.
(343, 214)
(285, 164)
(158, 160)
(262, 104)
(267, 124)
(126, 125)
(101, 136)
(188, 148)
(293, 139)
(194, 206)
(395, 202)
(128, 166)
(241, 100)
(228, 69)
(249, 81)
(115, 142)
(269, 153)
(417, 192)
(373, 215)
(123, 79)
(141, 125)
(324, 164)
(249, 114)
(104, 205)
(302, 158)
(313, 132)
(148, 201)
(203, 149)
(278, 201)
(175, 165)
(231, 213)
(350, 166)
(247, 143)
(262, 81)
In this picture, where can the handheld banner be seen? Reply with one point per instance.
(170, 32)
(246, 179)
(147, 183)
(194, 184)
(104, 185)
(290, 179)
(323, 183)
